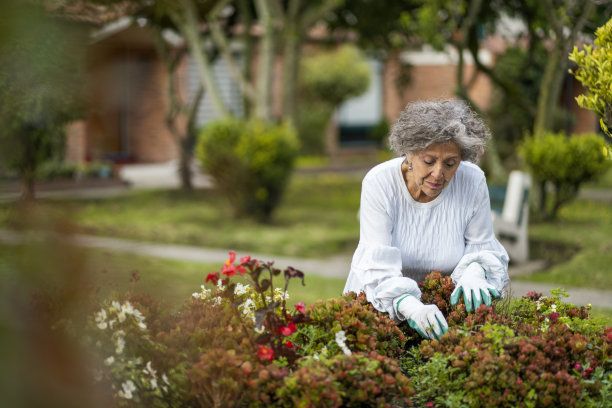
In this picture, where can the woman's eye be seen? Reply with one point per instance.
(429, 163)
(450, 165)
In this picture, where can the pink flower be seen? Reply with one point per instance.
(578, 367)
(245, 259)
(232, 258)
(289, 344)
(300, 307)
(265, 353)
(288, 330)
(430, 404)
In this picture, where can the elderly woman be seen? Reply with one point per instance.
(428, 210)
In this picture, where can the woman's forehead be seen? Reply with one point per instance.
(442, 150)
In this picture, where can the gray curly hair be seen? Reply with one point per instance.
(424, 123)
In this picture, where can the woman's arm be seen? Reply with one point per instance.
(376, 268)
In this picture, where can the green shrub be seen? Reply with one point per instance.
(564, 163)
(234, 345)
(366, 328)
(356, 380)
(251, 163)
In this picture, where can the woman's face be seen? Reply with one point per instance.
(432, 170)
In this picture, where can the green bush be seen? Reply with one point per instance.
(238, 345)
(327, 79)
(251, 163)
(356, 380)
(563, 163)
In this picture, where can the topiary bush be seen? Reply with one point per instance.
(564, 163)
(251, 162)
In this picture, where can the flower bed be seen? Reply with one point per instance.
(238, 345)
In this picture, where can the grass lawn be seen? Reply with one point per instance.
(317, 218)
(54, 264)
(581, 242)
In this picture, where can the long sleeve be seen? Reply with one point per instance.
(376, 268)
(481, 245)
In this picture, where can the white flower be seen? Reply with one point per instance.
(116, 305)
(142, 325)
(128, 308)
(101, 319)
(553, 308)
(248, 306)
(241, 289)
(121, 316)
(120, 345)
(127, 388)
(340, 340)
(165, 379)
(149, 370)
(154, 384)
(109, 361)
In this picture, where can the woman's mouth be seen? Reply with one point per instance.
(433, 185)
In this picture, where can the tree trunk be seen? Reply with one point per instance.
(27, 187)
(291, 69)
(190, 30)
(266, 60)
(550, 89)
(556, 66)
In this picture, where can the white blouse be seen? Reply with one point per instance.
(402, 240)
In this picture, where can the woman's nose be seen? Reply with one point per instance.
(437, 172)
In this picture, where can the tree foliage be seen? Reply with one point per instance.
(594, 71)
(41, 88)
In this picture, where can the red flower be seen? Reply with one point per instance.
(554, 317)
(245, 259)
(300, 307)
(430, 404)
(265, 353)
(232, 258)
(289, 344)
(241, 269)
(213, 277)
(229, 269)
(578, 367)
(288, 330)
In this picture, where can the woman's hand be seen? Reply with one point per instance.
(427, 320)
(475, 288)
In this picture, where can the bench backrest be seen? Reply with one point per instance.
(517, 196)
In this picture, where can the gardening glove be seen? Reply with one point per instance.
(475, 288)
(427, 320)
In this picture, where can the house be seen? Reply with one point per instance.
(126, 123)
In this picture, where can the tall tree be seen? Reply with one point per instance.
(41, 88)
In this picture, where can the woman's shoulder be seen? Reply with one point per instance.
(470, 172)
(383, 171)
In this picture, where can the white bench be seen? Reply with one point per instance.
(510, 226)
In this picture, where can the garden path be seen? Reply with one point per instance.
(333, 267)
